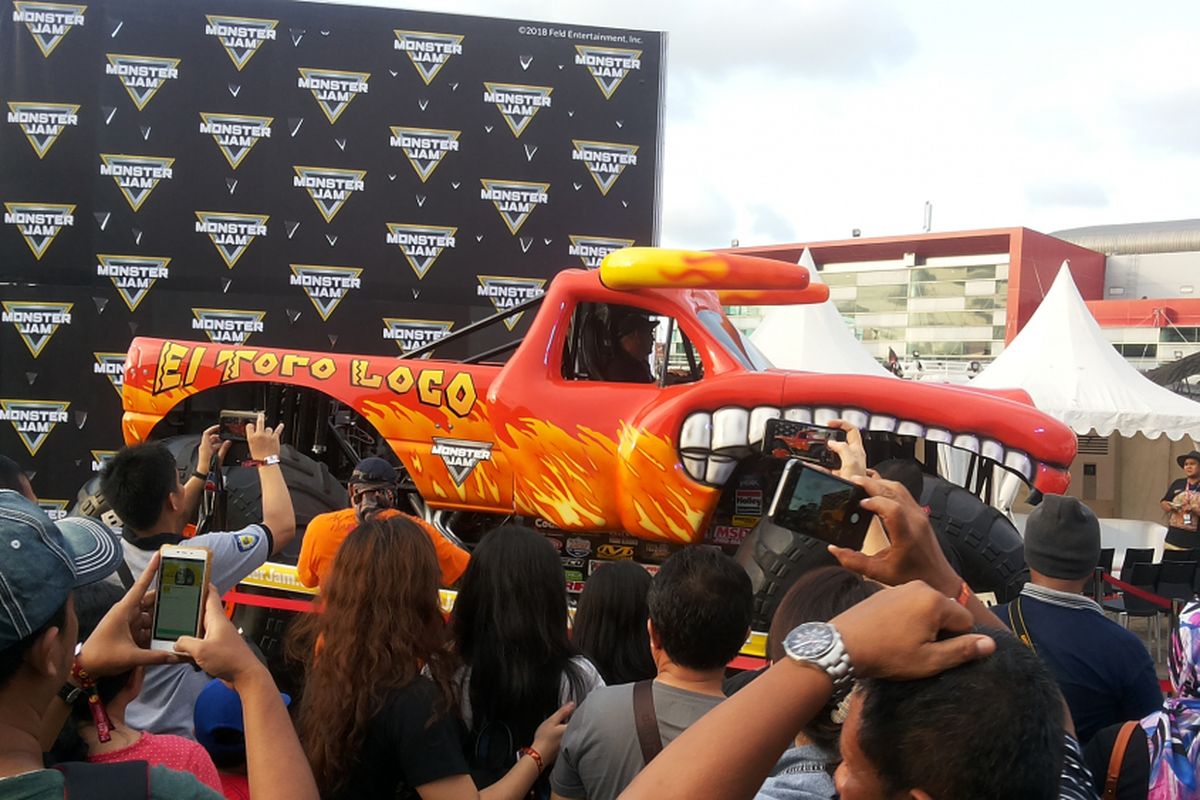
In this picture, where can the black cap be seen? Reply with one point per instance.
(1186, 456)
(375, 471)
(633, 321)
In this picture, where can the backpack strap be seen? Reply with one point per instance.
(1116, 759)
(646, 720)
(1017, 618)
(123, 780)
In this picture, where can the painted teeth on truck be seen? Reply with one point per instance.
(758, 422)
(965, 441)
(731, 430)
(1019, 462)
(823, 415)
(882, 422)
(992, 449)
(907, 428)
(856, 417)
(938, 435)
(798, 415)
(695, 444)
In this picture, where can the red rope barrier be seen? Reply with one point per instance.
(1149, 597)
(263, 601)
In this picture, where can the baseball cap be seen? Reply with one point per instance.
(633, 321)
(44, 560)
(373, 470)
(218, 721)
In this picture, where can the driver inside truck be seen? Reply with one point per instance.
(633, 333)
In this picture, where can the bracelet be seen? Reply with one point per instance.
(99, 713)
(964, 594)
(201, 475)
(535, 755)
(269, 461)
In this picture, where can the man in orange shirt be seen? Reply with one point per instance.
(372, 493)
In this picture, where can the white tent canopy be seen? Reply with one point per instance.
(1073, 373)
(813, 337)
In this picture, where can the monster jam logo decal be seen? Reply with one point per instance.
(328, 187)
(604, 160)
(609, 65)
(460, 456)
(227, 325)
(412, 334)
(48, 23)
(111, 366)
(421, 244)
(136, 176)
(515, 200)
(100, 459)
(425, 147)
(142, 76)
(33, 420)
(231, 233)
(240, 36)
(518, 103)
(42, 123)
(235, 134)
(326, 287)
(55, 509)
(333, 88)
(591, 250)
(506, 292)
(39, 223)
(133, 276)
(36, 322)
(428, 52)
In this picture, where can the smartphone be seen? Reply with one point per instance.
(183, 576)
(233, 424)
(823, 506)
(785, 438)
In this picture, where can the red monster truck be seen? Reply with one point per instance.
(547, 436)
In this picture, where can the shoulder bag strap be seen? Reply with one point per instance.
(646, 720)
(1017, 618)
(1116, 759)
(123, 780)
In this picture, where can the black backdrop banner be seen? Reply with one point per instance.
(291, 174)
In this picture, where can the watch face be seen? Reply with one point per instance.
(809, 641)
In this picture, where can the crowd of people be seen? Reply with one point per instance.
(887, 676)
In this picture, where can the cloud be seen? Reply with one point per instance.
(1078, 193)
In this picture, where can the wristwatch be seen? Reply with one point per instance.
(820, 644)
(69, 693)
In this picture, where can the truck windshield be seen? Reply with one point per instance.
(734, 343)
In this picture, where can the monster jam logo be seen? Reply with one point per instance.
(136, 176)
(592, 249)
(506, 292)
(428, 52)
(111, 366)
(425, 147)
(333, 88)
(55, 509)
(33, 420)
(142, 76)
(518, 104)
(413, 334)
(609, 65)
(43, 122)
(240, 36)
(605, 160)
(235, 134)
(326, 287)
(515, 200)
(231, 233)
(460, 456)
(226, 325)
(39, 223)
(100, 459)
(421, 244)
(133, 276)
(36, 322)
(328, 187)
(48, 23)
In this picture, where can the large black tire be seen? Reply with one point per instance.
(314, 490)
(774, 558)
(990, 551)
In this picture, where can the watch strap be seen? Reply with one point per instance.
(69, 693)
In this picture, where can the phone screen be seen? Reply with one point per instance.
(180, 592)
(233, 424)
(785, 438)
(820, 505)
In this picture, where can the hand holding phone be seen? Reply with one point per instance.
(233, 424)
(183, 576)
(821, 505)
(785, 438)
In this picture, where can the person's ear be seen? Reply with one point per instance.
(46, 655)
(918, 794)
(655, 644)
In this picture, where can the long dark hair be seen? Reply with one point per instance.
(379, 624)
(510, 624)
(610, 623)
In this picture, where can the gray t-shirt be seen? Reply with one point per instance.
(168, 697)
(600, 755)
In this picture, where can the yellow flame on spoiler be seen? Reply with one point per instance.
(657, 268)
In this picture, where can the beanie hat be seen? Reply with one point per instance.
(1062, 538)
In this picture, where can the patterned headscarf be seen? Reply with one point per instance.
(1174, 732)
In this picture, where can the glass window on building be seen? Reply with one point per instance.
(1173, 334)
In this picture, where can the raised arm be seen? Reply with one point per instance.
(193, 487)
(278, 514)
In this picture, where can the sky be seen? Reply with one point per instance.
(794, 121)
